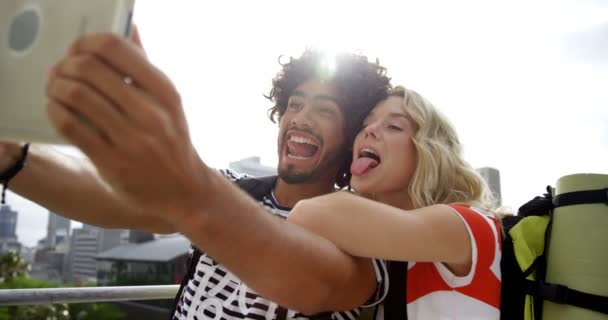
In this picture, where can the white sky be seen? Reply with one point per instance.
(523, 82)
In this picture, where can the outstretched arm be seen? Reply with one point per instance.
(71, 187)
(367, 228)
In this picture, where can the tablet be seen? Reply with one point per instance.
(34, 35)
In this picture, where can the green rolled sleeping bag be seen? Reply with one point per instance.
(578, 247)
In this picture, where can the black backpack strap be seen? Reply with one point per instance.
(581, 197)
(540, 264)
(257, 188)
(512, 296)
(189, 269)
(395, 304)
(563, 295)
(538, 206)
(281, 313)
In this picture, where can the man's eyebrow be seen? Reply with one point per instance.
(327, 97)
(298, 93)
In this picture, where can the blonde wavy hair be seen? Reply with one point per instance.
(442, 175)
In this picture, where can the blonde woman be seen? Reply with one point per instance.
(427, 211)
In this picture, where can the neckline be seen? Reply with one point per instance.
(275, 203)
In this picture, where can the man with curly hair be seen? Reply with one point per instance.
(145, 174)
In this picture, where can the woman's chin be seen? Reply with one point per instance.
(361, 186)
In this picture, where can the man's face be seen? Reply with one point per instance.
(311, 134)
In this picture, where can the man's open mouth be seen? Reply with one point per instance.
(301, 147)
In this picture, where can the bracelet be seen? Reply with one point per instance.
(5, 177)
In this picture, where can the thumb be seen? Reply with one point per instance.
(135, 37)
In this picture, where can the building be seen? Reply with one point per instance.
(156, 262)
(10, 245)
(139, 236)
(80, 265)
(50, 255)
(492, 177)
(27, 254)
(58, 229)
(8, 230)
(8, 222)
(49, 262)
(252, 167)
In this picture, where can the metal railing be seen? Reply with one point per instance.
(12, 297)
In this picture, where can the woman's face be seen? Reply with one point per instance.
(384, 155)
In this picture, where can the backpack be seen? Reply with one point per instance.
(257, 188)
(516, 284)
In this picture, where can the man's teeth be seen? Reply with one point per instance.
(302, 140)
(297, 157)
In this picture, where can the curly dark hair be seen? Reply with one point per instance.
(360, 83)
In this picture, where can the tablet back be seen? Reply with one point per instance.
(34, 35)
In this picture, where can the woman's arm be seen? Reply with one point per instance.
(367, 228)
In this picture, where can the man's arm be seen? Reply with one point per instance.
(72, 188)
(280, 260)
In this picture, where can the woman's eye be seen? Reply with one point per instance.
(327, 111)
(394, 127)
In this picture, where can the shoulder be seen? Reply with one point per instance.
(484, 229)
(232, 175)
(480, 222)
(474, 215)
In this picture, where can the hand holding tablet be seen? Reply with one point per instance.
(34, 36)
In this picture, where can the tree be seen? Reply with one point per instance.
(11, 266)
(95, 311)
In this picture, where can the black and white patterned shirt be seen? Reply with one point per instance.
(215, 293)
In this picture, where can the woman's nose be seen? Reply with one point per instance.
(371, 130)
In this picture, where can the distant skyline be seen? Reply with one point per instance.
(522, 81)
(8, 222)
